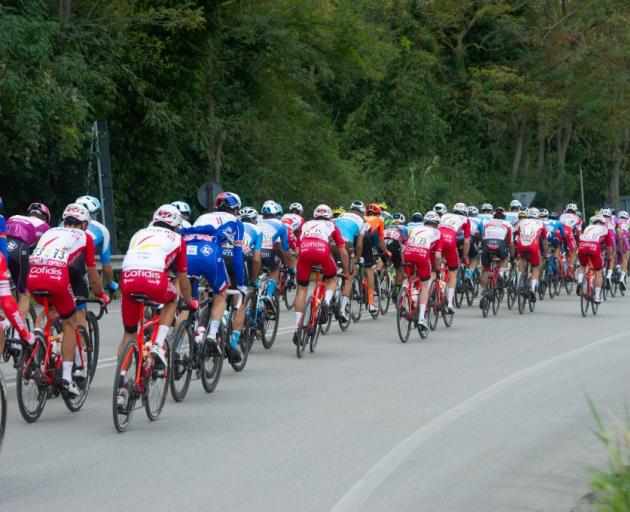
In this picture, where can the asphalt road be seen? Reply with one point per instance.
(489, 415)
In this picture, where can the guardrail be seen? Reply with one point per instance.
(116, 259)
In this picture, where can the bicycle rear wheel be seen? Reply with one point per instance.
(288, 295)
(325, 326)
(75, 403)
(343, 324)
(95, 337)
(484, 301)
(211, 365)
(385, 292)
(433, 312)
(470, 292)
(584, 303)
(523, 291)
(447, 317)
(403, 315)
(3, 408)
(156, 387)
(181, 361)
(125, 392)
(377, 297)
(271, 321)
(356, 299)
(305, 328)
(31, 382)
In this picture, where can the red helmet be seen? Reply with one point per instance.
(40, 208)
(373, 208)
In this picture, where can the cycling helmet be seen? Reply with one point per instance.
(515, 204)
(522, 214)
(373, 209)
(398, 219)
(543, 213)
(417, 217)
(533, 213)
(339, 210)
(184, 209)
(296, 206)
(271, 209)
(605, 212)
(323, 211)
(383, 206)
(554, 215)
(387, 218)
(169, 215)
(76, 212)
(623, 214)
(227, 201)
(579, 214)
(571, 207)
(440, 209)
(486, 208)
(598, 219)
(499, 212)
(432, 218)
(358, 206)
(248, 214)
(460, 208)
(473, 211)
(92, 204)
(40, 209)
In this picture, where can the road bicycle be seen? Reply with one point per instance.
(493, 292)
(587, 292)
(359, 294)
(315, 314)
(524, 291)
(40, 374)
(269, 312)
(287, 288)
(335, 308)
(384, 287)
(464, 288)
(94, 331)
(407, 306)
(437, 304)
(512, 286)
(137, 375)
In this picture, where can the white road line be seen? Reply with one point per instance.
(358, 494)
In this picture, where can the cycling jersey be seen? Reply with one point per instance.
(293, 220)
(623, 235)
(351, 226)
(315, 237)
(590, 249)
(497, 236)
(100, 235)
(497, 229)
(485, 218)
(252, 239)
(376, 228)
(450, 225)
(512, 218)
(476, 226)
(529, 234)
(422, 244)
(555, 232)
(572, 226)
(273, 230)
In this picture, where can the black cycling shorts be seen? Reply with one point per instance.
(473, 251)
(79, 279)
(491, 248)
(393, 246)
(270, 259)
(368, 254)
(18, 262)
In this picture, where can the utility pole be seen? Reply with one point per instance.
(582, 193)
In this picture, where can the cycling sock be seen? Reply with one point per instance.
(623, 275)
(298, 318)
(370, 298)
(580, 277)
(271, 287)
(77, 357)
(328, 296)
(598, 293)
(450, 293)
(423, 308)
(534, 284)
(161, 335)
(236, 335)
(214, 328)
(67, 371)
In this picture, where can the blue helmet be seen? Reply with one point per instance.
(92, 204)
(227, 201)
(271, 208)
(183, 207)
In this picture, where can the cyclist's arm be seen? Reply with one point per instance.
(237, 255)
(90, 262)
(256, 264)
(182, 274)
(343, 253)
(359, 248)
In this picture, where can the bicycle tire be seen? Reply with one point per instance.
(31, 383)
(376, 295)
(621, 290)
(343, 324)
(594, 307)
(584, 303)
(403, 313)
(496, 302)
(156, 387)
(613, 286)
(432, 307)
(459, 295)
(484, 302)
(568, 285)
(447, 317)
(521, 293)
(305, 329)
(288, 295)
(211, 365)
(470, 293)
(95, 336)
(542, 285)
(356, 299)
(325, 327)
(74, 404)
(532, 305)
(3, 408)
(269, 335)
(385, 292)
(128, 357)
(182, 350)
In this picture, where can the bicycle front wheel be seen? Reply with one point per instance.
(305, 329)
(125, 393)
(83, 383)
(385, 292)
(156, 387)
(271, 321)
(356, 299)
(433, 311)
(403, 315)
(95, 337)
(3, 408)
(211, 365)
(31, 382)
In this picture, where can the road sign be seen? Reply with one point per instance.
(525, 198)
(207, 192)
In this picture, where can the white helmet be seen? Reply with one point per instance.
(533, 213)
(515, 203)
(76, 211)
(358, 206)
(487, 207)
(598, 219)
(248, 213)
(169, 215)
(92, 204)
(605, 212)
(323, 211)
(296, 206)
(623, 214)
(183, 207)
(440, 209)
(271, 208)
(571, 207)
(432, 218)
(460, 208)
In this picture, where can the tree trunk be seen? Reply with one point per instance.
(563, 137)
(620, 154)
(65, 8)
(542, 142)
(518, 149)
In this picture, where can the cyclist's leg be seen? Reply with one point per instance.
(449, 251)
(368, 261)
(486, 260)
(535, 261)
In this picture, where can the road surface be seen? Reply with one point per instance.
(489, 415)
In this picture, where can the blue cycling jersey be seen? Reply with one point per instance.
(350, 225)
(396, 232)
(100, 235)
(252, 239)
(3, 237)
(273, 230)
(553, 227)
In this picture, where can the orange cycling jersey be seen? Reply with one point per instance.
(376, 225)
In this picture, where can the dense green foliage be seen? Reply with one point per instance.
(407, 101)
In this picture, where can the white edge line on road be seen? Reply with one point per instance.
(358, 494)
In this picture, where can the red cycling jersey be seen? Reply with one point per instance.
(590, 249)
(422, 244)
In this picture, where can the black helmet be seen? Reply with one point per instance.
(417, 217)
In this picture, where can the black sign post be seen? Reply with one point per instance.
(105, 182)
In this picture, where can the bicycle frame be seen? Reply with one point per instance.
(318, 297)
(415, 288)
(143, 326)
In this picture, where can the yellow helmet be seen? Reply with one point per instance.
(340, 210)
(383, 206)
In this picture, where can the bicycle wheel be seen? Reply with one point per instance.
(403, 315)
(459, 293)
(181, 361)
(271, 321)
(621, 288)
(584, 302)
(613, 286)
(75, 403)
(377, 297)
(523, 293)
(532, 305)
(356, 299)
(3, 408)
(289, 294)
(470, 292)
(31, 382)
(156, 387)
(125, 392)
(496, 300)
(568, 284)
(512, 289)
(305, 328)
(343, 324)
(325, 326)
(433, 311)
(484, 302)
(385, 292)
(542, 284)
(95, 337)
(211, 365)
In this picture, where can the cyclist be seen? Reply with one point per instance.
(315, 239)
(23, 232)
(353, 230)
(513, 215)
(395, 236)
(590, 251)
(572, 228)
(450, 225)
(612, 227)
(338, 211)
(476, 236)
(416, 220)
(153, 252)
(275, 243)
(211, 257)
(296, 210)
(556, 235)
(440, 209)
(623, 245)
(498, 242)
(531, 239)
(56, 263)
(185, 211)
(3, 234)
(376, 227)
(423, 249)
(486, 214)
